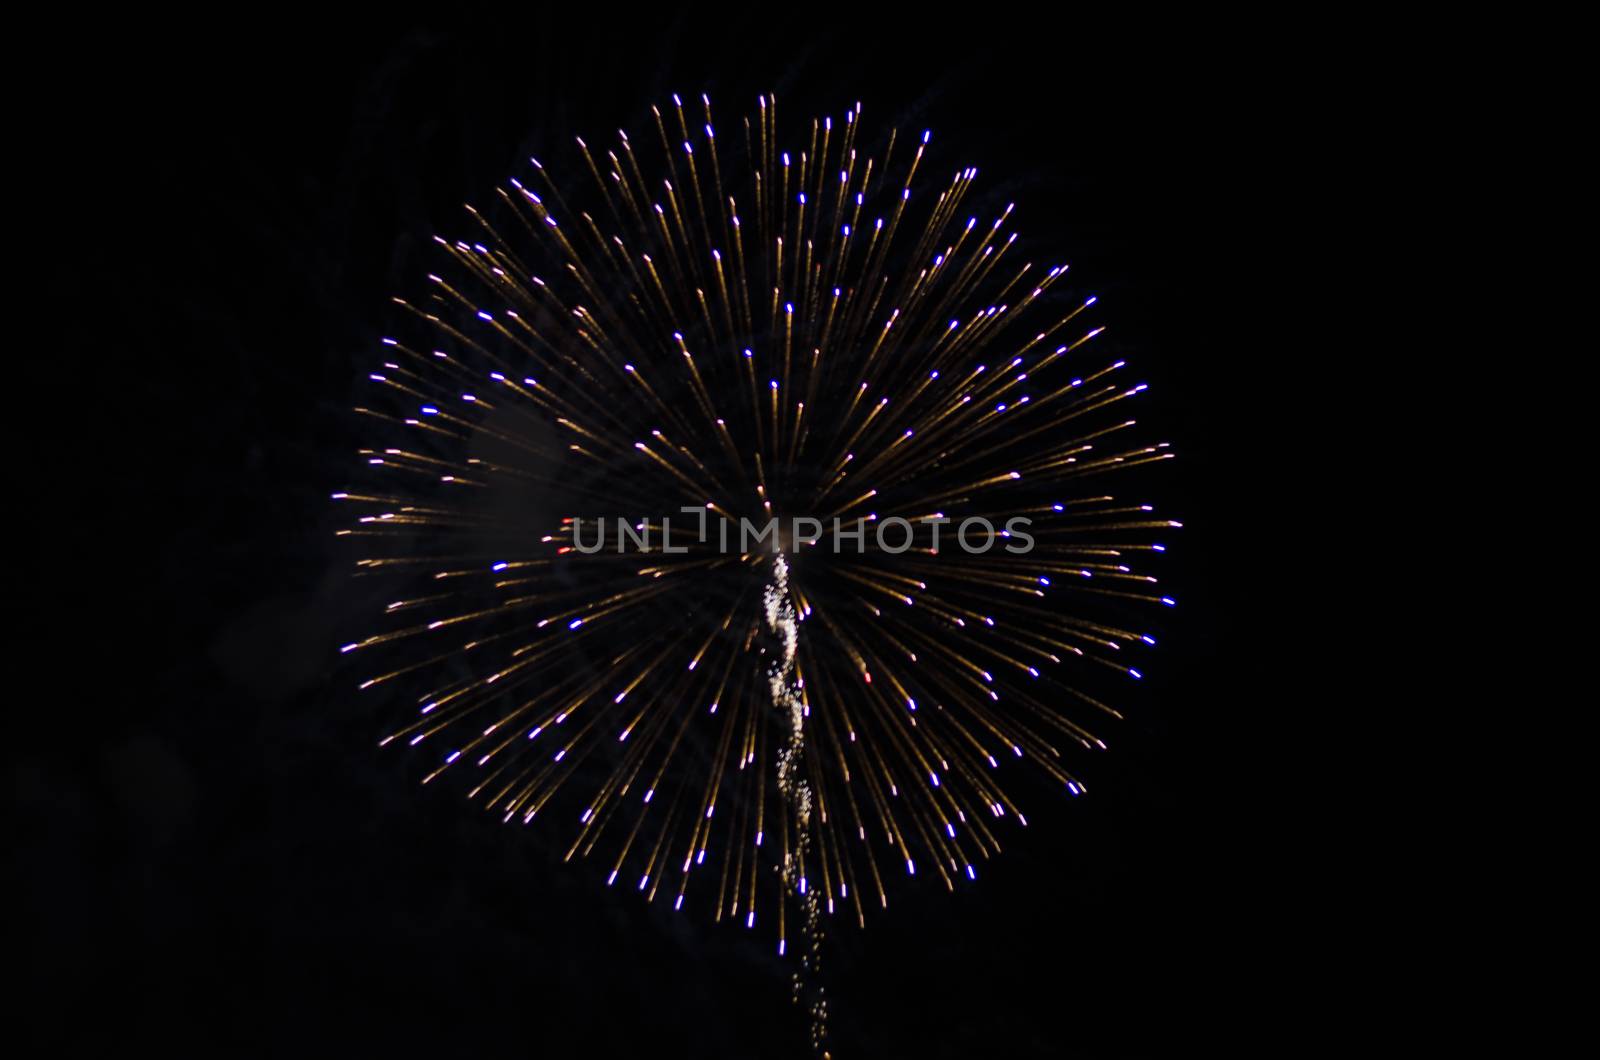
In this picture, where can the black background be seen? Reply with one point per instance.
(215, 853)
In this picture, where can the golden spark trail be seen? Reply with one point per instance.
(796, 791)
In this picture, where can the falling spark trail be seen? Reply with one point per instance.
(789, 703)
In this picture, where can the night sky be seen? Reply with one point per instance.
(215, 854)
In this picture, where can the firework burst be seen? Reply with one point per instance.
(707, 332)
